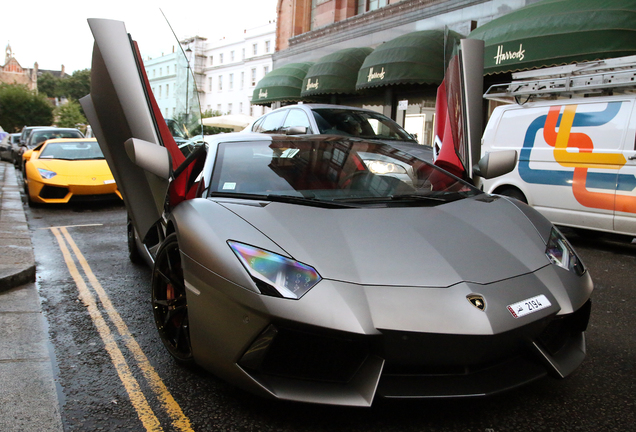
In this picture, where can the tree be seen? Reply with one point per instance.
(20, 106)
(49, 85)
(70, 114)
(77, 85)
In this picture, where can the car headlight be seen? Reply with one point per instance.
(383, 167)
(559, 252)
(46, 174)
(288, 278)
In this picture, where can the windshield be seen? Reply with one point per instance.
(77, 150)
(361, 124)
(331, 170)
(41, 136)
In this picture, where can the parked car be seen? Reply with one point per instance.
(577, 160)
(26, 131)
(9, 146)
(41, 134)
(59, 170)
(339, 120)
(291, 267)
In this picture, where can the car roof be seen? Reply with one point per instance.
(311, 106)
(54, 128)
(71, 140)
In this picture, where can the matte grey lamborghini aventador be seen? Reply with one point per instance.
(333, 270)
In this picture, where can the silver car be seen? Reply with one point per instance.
(326, 119)
(314, 269)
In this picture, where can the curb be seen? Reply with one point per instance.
(17, 261)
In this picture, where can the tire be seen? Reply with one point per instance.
(24, 183)
(133, 252)
(30, 202)
(169, 302)
(514, 193)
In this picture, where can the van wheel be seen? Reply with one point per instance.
(514, 193)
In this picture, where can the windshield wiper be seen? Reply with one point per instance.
(413, 198)
(308, 199)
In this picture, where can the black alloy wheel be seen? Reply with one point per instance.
(169, 302)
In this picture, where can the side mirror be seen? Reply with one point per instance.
(27, 155)
(495, 164)
(149, 156)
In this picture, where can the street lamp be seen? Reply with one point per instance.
(188, 53)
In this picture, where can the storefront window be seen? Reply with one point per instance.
(418, 118)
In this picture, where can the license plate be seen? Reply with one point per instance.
(528, 306)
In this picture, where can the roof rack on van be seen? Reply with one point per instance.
(594, 77)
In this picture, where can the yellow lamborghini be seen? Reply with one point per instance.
(59, 170)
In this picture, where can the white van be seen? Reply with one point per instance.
(576, 159)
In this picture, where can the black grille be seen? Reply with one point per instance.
(560, 329)
(53, 192)
(305, 355)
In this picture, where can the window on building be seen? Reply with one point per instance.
(153, 73)
(220, 82)
(159, 93)
(240, 107)
(243, 54)
(369, 5)
(230, 81)
(265, 70)
(229, 108)
(167, 91)
(253, 77)
(242, 80)
(267, 46)
(211, 60)
(218, 107)
(254, 49)
(220, 58)
(167, 70)
(232, 55)
(210, 84)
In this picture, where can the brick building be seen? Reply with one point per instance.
(12, 73)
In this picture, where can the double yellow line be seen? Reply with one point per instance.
(138, 399)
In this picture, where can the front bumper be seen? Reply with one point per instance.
(56, 193)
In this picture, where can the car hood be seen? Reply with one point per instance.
(76, 168)
(479, 240)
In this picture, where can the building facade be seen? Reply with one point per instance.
(311, 30)
(225, 71)
(162, 75)
(12, 73)
(232, 68)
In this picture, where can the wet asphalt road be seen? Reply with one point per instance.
(599, 396)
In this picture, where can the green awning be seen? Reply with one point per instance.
(557, 32)
(414, 58)
(281, 85)
(335, 73)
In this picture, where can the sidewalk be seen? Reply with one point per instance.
(28, 400)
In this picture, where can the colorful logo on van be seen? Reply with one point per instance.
(576, 150)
